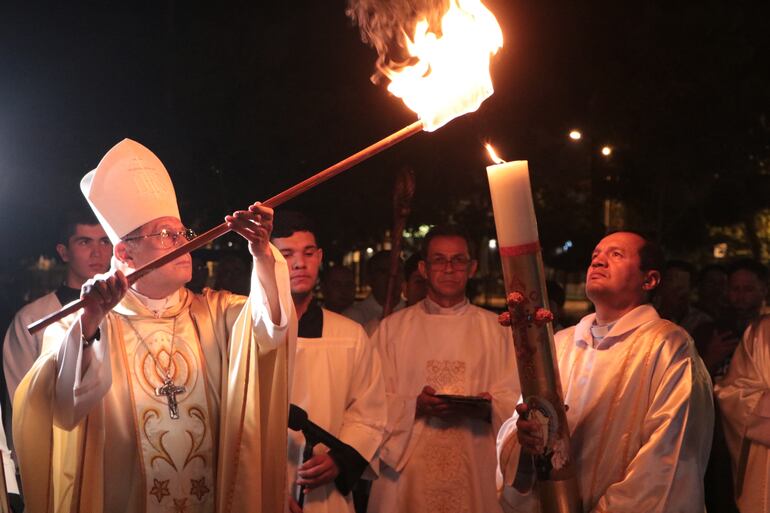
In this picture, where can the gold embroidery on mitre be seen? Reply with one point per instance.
(148, 181)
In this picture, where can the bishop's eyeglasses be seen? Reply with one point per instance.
(168, 238)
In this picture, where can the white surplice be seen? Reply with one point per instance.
(114, 446)
(338, 382)
(20, 348)
(9, 468)
(640, 415)
(430, 464)
(744, 399)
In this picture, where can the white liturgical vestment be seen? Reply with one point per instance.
(744, 398)
(20, 348)
(640, 413)
(338, 382)
(430, 464)
(114, 445)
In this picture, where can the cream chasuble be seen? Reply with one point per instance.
(178, 470)
(92, 436)
(431, 464)
(640, 415)
(338, 382)
(744, 397)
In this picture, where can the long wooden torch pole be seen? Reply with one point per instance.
(273, 202)
(403, 192)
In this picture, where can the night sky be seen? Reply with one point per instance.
(243, 100)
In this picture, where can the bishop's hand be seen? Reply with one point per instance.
(255, 225)
(100, 295)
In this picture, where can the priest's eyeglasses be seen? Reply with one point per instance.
(169, 238)
(458, 262)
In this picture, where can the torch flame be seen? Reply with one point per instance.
(451, 74)
(493, 155)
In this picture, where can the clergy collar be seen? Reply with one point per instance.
(629, 322)
(433, 308)
(599, 332)
(66, 294)
(311, 325)
(156, 306)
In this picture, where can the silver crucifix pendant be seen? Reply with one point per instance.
(170, 390)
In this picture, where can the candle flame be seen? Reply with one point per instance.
(493, 154)
(448, 74)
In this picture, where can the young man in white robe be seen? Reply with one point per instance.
(439, 453)
(640, 407)
(337, 380)
(744, 398)
(85, 250)
(157, 399)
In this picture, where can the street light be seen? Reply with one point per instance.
(601, 197)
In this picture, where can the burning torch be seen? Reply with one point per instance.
(447, 75)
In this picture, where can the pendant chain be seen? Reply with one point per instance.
(166, 373)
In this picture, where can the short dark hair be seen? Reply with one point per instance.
(446, 230)
(709, 268)
(411, 264)
(682, 266)
(287, 222)
(750, 265)
(378, 258)
(651, 256)
(70, 221)
(329, 271)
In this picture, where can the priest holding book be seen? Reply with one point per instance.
(451, 380)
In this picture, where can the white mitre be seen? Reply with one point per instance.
(129, 187)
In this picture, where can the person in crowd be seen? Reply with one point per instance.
(86, 250)
(746, 291)
(673, 297)
(338, 286)
(712, 290)
(744, 399)
(377, 272)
